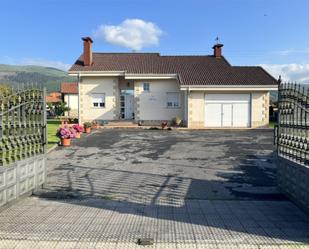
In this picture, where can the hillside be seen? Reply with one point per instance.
(48, 76)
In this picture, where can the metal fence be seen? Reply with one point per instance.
(22, 123)
(291, 133)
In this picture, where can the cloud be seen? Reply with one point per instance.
(35, 61)
(292, 51)
(131, 33)
(289, 72)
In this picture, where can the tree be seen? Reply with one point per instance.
(61, 108)
(5, 90)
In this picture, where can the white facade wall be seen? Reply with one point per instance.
(102, 85)
(152, 105)
(71, 100)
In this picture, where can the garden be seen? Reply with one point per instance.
(62, 132)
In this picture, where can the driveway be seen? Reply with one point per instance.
(184, 189)
(153, 166)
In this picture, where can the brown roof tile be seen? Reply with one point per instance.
(53, 97)
(69, 87)
(191, 70)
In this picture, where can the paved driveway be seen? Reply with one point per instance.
(153, 166)
(192, 189)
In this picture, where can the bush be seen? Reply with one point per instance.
(65, 132)
(87, 125)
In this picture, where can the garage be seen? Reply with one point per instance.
(227, 110)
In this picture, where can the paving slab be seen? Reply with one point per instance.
(183, 189)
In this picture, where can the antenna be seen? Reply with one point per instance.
(217, 40)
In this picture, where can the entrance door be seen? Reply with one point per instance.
(128, 106)
(226, 115)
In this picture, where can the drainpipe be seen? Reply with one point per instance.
(78, 111)
(187, 106)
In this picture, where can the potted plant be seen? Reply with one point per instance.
(87, 127)
(177, 121)
(78, 129)
(164, 125)
(65, 134)
(95, 125)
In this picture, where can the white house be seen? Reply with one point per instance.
(204, 91)
(69, 92)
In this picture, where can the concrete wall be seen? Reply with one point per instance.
(21, 178)
(196, 109)
(152, 105)
(106, 85)
(293, 180)
(259, 108)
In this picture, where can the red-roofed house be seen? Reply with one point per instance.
(69, 91)
(204, 91)
(53, 97)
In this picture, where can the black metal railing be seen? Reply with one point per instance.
(291, 132)
(22, 123)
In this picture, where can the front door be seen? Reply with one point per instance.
(128, 106)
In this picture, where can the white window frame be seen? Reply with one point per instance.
(147, 84)
(173, 103)
(95, 97)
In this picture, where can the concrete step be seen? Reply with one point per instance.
(121, 124)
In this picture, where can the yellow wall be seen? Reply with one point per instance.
(106, 85)
(152, 105)
(260, 109)
(196, 109)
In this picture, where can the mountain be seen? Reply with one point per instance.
(48, 76)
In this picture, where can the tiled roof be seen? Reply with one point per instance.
(53, 97)
(191, 70)
(69, 87)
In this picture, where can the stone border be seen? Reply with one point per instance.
(21, 178)
(293, 180)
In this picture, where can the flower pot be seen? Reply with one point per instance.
(87, 129)
(66, 142)
(77, 135)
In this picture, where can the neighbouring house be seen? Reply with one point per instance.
(148, 88)
(54, 98)
(69, 91)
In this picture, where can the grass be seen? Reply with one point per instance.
(272, 124)
(52, 126)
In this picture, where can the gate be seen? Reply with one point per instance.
(22, 141)
(292, 138)
(292, 129)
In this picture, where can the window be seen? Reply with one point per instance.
(173, 100)
(146, 87)
(98, 100)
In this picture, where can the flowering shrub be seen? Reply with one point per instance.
(64, 132)
(164, 124)
(77, 128)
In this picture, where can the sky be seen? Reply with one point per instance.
(271, 33)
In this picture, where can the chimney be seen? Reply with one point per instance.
(217, 50)
(87, 51)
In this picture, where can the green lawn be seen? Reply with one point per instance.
(52, 126)
(272, 124)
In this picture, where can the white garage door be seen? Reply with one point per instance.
(227, 110)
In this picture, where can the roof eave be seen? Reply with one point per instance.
(230, 87)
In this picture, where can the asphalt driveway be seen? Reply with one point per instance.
(153, 166)
(183, 189)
